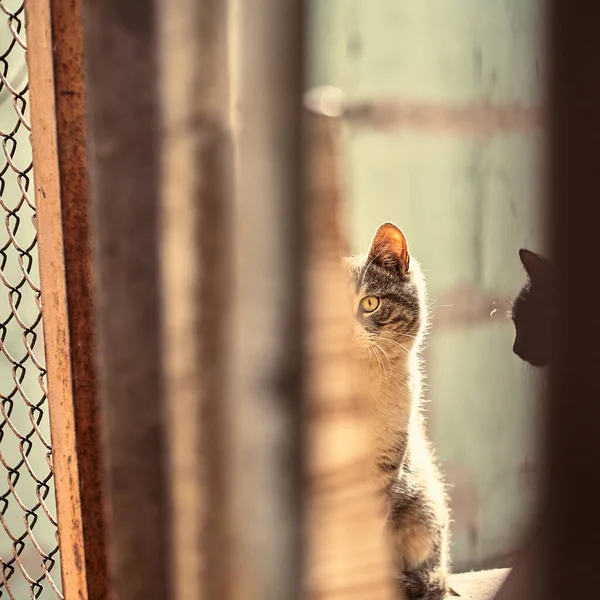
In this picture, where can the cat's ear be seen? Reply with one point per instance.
(536, 266)
(390, 248)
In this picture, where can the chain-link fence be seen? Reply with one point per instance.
(29, 556)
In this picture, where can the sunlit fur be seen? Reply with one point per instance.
(390, 339)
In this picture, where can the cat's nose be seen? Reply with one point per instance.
(517, 348)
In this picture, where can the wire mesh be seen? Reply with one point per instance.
(29, 554)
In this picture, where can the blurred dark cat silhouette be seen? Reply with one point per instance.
(533, 311)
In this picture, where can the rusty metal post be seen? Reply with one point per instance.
(55, 60)
(124, 156)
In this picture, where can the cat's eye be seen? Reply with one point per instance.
(369, 304)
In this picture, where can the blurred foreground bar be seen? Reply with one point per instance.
(196, 207)
(232, 274)
(265, 370)
(124, 161)
(571, 549)
(347, 557)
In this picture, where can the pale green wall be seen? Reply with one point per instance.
(466, 206)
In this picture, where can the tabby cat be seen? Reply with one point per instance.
(533, 312)
(391, 318)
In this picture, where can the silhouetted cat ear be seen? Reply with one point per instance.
(536, 265)
(389, 247)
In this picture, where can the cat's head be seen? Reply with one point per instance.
(532, 311)
(389, 296)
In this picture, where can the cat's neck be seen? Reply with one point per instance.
(395, 395)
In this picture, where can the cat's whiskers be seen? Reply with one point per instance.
(386, 372)
(422, 345)
(389, 359)
(373, 352)
(526, 374)
(376, 350)
(373, 342)
(396, 342)
(529, 376)
(379, 349)
(433, 307)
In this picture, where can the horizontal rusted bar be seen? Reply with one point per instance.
(56, 77)
(474, 119)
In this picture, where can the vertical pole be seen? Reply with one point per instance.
(571, 554)
(346, 549)
(124, 156)
(266, 369)
(197, 195)
(56, 77)
(563, 561)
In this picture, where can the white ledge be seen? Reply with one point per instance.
(478, 585)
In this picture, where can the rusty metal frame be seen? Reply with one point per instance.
(56, 75)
